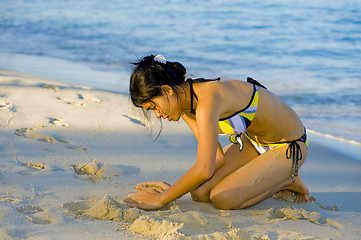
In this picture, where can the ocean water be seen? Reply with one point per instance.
(307, 52)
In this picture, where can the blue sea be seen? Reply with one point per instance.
(307, 52)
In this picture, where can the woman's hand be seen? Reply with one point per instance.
(148, 195)
(159, 186)
(147, 198)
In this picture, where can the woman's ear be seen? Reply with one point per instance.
(167, 89)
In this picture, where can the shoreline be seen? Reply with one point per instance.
(71, 153)
(99, 76)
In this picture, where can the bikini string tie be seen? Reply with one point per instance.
(294, 151)
(189, 80)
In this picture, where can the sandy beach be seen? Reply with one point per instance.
(69, 154)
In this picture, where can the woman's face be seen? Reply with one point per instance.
(165, 106)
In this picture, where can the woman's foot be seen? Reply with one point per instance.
(295, 192)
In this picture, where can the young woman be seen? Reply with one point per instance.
(268, 139)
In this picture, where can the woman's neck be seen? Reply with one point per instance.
(184, 94)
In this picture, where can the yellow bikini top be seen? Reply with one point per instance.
(238, 122)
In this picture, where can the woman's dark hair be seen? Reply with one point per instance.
(147, 78)
(149, 75)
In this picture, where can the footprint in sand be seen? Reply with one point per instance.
(95, 171)
(29, 133)
(6, 111)
(58, 122)
(50, 87)
(79, 148)
(71, 102)
(7, 198)
(63, 140)
(37, 215)
(37, 166)
(82, 97)
(89, 98)
(30, 168)
(4, 105)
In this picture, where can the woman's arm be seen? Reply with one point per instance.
(206, 131)
(191, 122)
(205, 128)
(220, 160)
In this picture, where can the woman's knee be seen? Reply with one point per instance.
(200, 194)
(225, 199)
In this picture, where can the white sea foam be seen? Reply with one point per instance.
(333, 137)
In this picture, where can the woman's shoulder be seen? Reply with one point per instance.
(229, 95)
(225, 88)
(223, 83)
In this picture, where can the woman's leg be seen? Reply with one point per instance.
(301, 195)
(257, 180)
(296, 191)
(235, 159)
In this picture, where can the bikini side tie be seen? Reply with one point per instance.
(294, 151)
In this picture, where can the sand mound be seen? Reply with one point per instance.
(93, 171)
(106, 209)
(92, 168)
(190, 225)
(173, 223)
(167, 224)
(290, 213)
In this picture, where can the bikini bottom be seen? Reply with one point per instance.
(293, 151)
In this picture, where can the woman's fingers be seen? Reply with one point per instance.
(138, 196)
(129, 200)
(159, 186)
(131, 197)
(131, 203)
(141, 185)
(146, 185)
(147, 199)
(164, 185)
